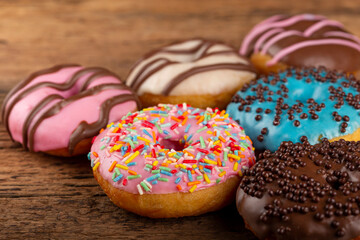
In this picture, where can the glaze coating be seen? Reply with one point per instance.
(191, 67)
(303, 191)
(169, 149)
(304, 40)
(311, 102)
(58, 107)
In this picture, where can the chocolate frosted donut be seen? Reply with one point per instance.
(200, 72)
(303, 191)
(311, 102)
(301, 40)
(58, 110)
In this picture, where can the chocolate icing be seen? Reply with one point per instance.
(204, 46)
(331, 55)
(303, 191)
(96, 72)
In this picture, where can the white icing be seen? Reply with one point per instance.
(209, 82)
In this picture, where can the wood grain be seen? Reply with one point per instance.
(114, 34)
(57, 198)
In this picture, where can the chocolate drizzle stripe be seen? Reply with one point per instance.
(29, 79)
(97, 75)
(202, 42)
(60, 105)
(184, 51)
(162, 50)
(58, 86)
(32, 115)
(224, 53)
(206, 49)
(135, 84)
(85, 130)
(138, 81)
(183, 76)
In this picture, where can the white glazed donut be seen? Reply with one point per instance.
(189, 70)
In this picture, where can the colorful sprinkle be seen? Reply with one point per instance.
(163, 179)
(134, 155)
(192, 188)
(96, 166)
(144, 158)
(145, 186)
(141, 192)
(118, 178)
(111, 168)
(131, 177)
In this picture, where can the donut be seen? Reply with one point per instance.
(199, 72)
(60, 109)
(303, 191)
(301, 40)
(171, 160)
(311, 102)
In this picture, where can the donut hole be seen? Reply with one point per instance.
(172, 144)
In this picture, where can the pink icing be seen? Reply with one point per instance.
(342, 35)
(105, 151)
(52, 135)
(266, 25)
(279, 37)
(264, 37)
(299, 45)
(317, 26)
(270, 32)
(54, 132)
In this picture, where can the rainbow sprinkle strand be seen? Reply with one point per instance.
(171, 148)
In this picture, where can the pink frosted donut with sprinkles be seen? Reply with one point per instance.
(171, 160)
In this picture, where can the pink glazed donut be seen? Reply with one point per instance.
(171, 161)
(59, 110)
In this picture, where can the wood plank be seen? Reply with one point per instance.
(114, 34)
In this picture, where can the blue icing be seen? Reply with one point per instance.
(298, 91)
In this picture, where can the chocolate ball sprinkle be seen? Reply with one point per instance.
(267, 111)
(303, 116)
(297, 176)
(260, 138)
(338, 118)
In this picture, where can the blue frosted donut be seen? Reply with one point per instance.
(311, 102)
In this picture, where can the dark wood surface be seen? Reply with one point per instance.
(46, 197)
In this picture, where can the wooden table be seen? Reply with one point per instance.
(48, 197)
